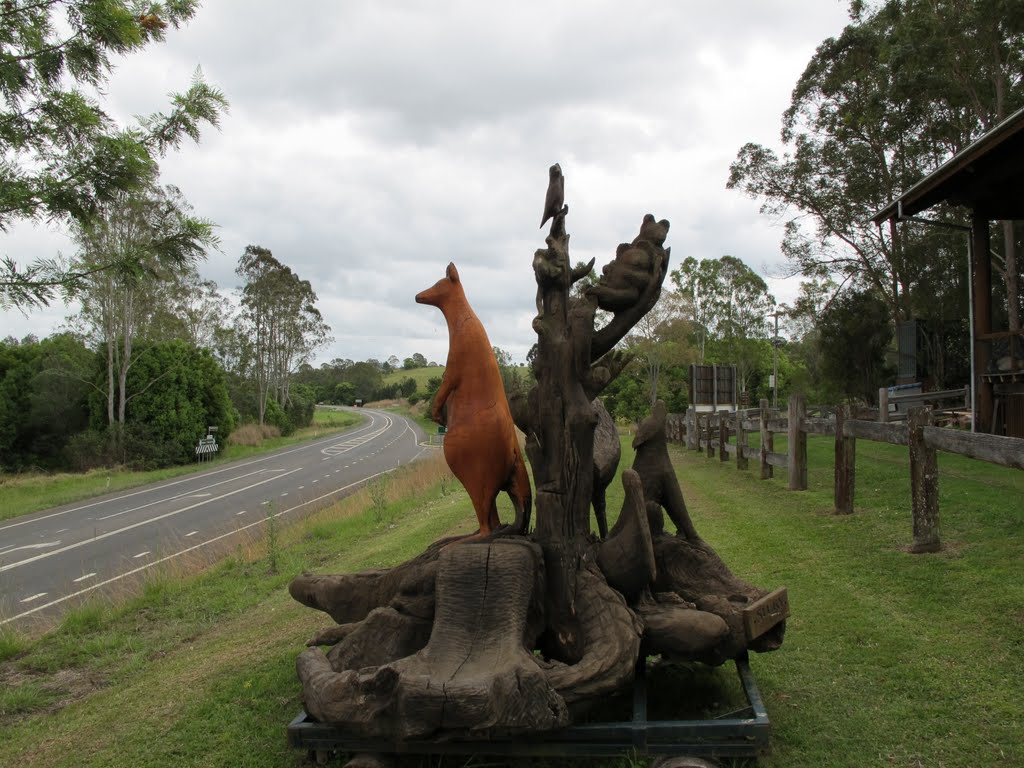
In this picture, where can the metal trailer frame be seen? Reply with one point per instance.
(743, 733)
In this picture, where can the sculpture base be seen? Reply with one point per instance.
(743, 733)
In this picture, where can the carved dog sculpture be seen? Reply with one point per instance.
(480, 446)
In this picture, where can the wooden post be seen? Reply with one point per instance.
(883, 405)
(710, 446)
(692, 433)
(741, 441)
(924, 484)
(797, 444)
(767, 443)
(981, 283)
(723, 436)
(846, 464)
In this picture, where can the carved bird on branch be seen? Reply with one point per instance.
(555, 197)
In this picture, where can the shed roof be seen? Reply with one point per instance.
(986, 176)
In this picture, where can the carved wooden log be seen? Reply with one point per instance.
(350, 597)
(695, 572)
(626, 557)
(676, 629)
(474, 677)
(611, 644)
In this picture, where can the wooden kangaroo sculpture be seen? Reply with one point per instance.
(481, 446)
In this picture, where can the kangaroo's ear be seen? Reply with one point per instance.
(452, 273)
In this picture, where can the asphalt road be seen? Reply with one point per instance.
(52, 557)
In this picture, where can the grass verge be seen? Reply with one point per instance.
(31, 492)
(890, 659)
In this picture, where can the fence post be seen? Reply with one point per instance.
(723, 437)
(797, 444)
(692, 435)
(741, 442)
(924, 484)
(883, 405)
(710, 445)
(767, 443)
(846, 464)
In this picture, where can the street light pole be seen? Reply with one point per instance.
(775, 363)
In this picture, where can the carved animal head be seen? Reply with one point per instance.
(441, 291)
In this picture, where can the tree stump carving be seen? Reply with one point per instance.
(519, 633)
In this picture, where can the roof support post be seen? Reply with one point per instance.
(981, 287)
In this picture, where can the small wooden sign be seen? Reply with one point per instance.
(761, 616)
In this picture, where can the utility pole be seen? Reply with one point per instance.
(775, 362)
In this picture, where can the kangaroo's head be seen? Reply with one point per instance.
(443, 290)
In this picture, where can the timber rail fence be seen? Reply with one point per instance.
(728, 434)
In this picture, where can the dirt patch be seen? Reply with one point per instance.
(59, 689)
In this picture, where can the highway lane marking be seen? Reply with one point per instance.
(191, 534)
(354, 442)
(34, 597)
(141, 554)
(313, 445)
(185, 551)
(143, 522)
(40, 545)
(185, 495)
(84, 577)
(240, 513)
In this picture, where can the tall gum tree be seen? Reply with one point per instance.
(153, 238)
(280, 322)
(902, 88)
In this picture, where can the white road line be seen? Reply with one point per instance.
(84, 577)
(141, 554)
(40, 545)
(231, 468)
(143, 522)
(34, 597)
(182, 495)
(141, 568)
(193, 533)
(240, 513)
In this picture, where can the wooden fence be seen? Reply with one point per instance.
(727, 435)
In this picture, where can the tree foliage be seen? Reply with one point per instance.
(64, 157)
(178, 391)
(280, 324)
(854, 333)
(155, 240)
(903, 87)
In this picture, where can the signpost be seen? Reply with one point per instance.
(207, 446)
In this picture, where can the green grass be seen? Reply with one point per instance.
(890, 659)
(420, 375)
(23, 494)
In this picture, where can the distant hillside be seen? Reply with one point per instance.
(420, 375)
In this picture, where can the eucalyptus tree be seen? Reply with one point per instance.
(280, 322)
(153, 239)
(64, 157)
(728, 306)
(903, 87)
(661, 339)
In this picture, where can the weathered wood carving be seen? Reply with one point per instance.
(447, 644)
(481, 446)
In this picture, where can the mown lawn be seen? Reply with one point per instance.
(22, 494)
(890, 659)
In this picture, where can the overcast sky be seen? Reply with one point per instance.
(370, 142)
